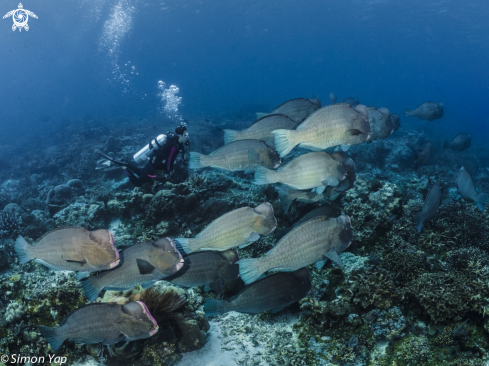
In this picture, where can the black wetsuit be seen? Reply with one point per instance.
(161, 158)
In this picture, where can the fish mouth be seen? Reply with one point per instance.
(116, 262)
(180, 264)
(154, 331)
(150, 317)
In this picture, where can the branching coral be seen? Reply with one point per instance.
(405, 264)
(9, 222)
(372, 287)
(448, 296)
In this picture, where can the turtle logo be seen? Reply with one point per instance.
(20, 17)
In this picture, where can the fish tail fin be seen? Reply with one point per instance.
(185, 245)
(51, 336)
(262, 175)
(197, 160)
(90, 288)
(283, 143)
(408, 112)
(446, 144)
(418, 223)
(22, 248)
(229, 136)
(285, 200)
(214, 307)
(250, 269)
(482, 201)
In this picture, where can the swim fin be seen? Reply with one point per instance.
(110, 159)
(103, 164)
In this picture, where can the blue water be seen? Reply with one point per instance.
(223, 54)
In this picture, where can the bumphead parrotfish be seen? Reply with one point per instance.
(71, 249)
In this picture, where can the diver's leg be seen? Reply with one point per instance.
(139, 176)
(133, 178)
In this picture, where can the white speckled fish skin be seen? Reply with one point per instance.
(275, 291)
(337, 124)
(76, 249)
(235, 156)
(234, 228)
(161, 254)
(262, 128)
(327, 127)
(306, 244)
(466, 188)
(428, 111)
(205, 267)
(380, 123)
(308, 171)
(97, 323)
(299, 108)
(430, 206)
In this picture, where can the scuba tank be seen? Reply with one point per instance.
(143, 155)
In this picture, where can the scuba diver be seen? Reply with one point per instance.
(159, 154)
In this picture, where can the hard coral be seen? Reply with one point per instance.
(445, 296)
(9, 222)
(406, 265)
(372, 287)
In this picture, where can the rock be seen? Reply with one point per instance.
(14, 208)
(93, 211)
(191, 201)
(395, 167)
(115, 206)
(147, 197)
(59, 195)
(160, 194)
(402, 156)
(163, 227)
(191, 337)
(76, 184)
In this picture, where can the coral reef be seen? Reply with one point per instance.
(402, 297)
(9, 222)
(14, 311)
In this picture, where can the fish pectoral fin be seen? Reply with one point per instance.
(331, 181)
(252, 238)
(79, 262)
(320, 264)
(334, 257)
(217, 285)
(119, 338)
(44, 263)
(253, 156)
(276, 310)
(319, 190)
(120, 344)
(144, 266)
(344, 147)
